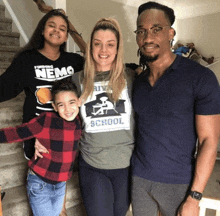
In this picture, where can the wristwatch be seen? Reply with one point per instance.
(195, 195)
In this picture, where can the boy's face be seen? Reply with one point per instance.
(67, 105)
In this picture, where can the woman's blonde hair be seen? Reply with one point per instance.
(117, 78)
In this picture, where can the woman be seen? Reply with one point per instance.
(107, 139)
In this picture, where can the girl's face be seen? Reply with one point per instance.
(55, 31)
(104, 49)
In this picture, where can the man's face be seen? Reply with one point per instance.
(155, 42)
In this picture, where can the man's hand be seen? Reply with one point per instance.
(42, 6)
(189, 208)
(39, 148)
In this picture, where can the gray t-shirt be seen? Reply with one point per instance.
(107, 139)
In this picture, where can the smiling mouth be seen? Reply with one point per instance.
(68, 114)
(103, 56)
(149, 47)
(53, 35)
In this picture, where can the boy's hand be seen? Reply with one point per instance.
(39, 148)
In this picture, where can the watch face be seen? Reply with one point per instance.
(196, 195)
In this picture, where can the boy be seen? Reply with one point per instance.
(59, 132)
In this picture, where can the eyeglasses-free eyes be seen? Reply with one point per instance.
(155, 31)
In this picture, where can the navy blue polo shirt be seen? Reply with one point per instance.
(165, 120)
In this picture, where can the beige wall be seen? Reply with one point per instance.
(84, 14)
(204, 32)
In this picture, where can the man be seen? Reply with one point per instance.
(176, 101)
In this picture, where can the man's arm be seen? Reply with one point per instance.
(208, 130)
(77, 38)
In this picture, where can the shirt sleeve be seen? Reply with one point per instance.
(76, 60)
(76, 80)
(80, 62)
(11, 81)
(23, 132)
(207, 94)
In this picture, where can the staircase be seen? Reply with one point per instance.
(13, 165)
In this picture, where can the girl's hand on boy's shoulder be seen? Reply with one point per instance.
(39, 148)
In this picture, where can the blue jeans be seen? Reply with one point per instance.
(45, 199)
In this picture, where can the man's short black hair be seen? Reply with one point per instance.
(169, 12)
(63, 85)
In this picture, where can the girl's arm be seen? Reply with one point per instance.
(11, 81)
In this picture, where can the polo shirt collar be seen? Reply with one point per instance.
(172, 67)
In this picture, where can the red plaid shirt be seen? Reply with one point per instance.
(60, 137)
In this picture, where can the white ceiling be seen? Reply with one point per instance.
(183, 8)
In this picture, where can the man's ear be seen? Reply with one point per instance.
(172, 33)
(54, 106)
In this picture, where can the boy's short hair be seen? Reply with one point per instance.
(63, 85)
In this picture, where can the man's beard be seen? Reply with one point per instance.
(149, 59)
(144, 60)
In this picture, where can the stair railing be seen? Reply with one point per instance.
(16, 21)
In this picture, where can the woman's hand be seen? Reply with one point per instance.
(39, 148)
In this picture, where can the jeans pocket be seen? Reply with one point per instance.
(35, 186)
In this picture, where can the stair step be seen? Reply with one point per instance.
(78, 210)
(5, 24)
(7, 53)
(15, 202)
(9, 49)
(13, 148)
(11, 112)
(4, 66)
(73, 192)
(2, 11)
(13, 174)
(11, 119)
(9, 38)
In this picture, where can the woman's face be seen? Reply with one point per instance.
(104, 49)
(55, 31)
